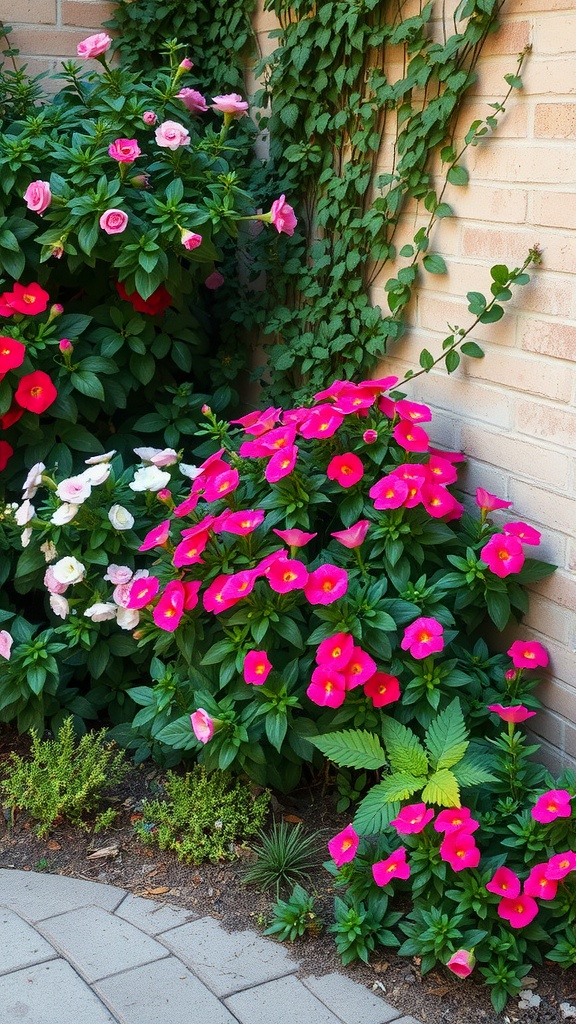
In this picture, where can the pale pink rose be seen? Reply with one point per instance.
(5, 644)
(53, 586)
(26, 536)
(190, 240)
(125, 151)
(33, 480)
(171, 135)
(68, 570)
(75, 489)
(59, 605)
(121, 593)
(113, 222)
(117, 574)
(64, 514)
(102, 611)
(94, 45)
(38, 196)
(282, 216)
(230, 103)
(149, 117)
(193, 100)
(214, 280)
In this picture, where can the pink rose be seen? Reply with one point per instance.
(125, 151)
(113, 222)
(193, 100)
(93, 46)
(230, 103)
(149, 117)
(190, 240)
(38, 196)
(5, 644)
(282, 216)
(171, 135)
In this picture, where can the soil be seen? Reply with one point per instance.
(118, 857)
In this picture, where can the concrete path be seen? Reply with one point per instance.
(75, 952)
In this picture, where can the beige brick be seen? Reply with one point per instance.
(511, 38)
(540, 7)
(551, 727)
(547, 292)
(540, 419)
(512, 124)
(60, 42)
(516, 455)
(264, 21)
(524, 162)
(556, 35)
(570, 742)
(552, 76)
(523, 373)
(555, 209)
(555, 120)
(487, 201)
(555, 760)
(464, 399)
(558, 698)
(85, 13)
(436, 312)
(552, 621)
(559, 588)
(546, 507)
(549, 337)
(32, 12)
(558, 248)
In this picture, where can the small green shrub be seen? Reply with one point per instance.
(62, 778)
(284, 857)
(203, 815)
(294, 917)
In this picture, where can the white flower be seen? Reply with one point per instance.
(5, 644)
(48, 549)
(101, 611)
(96, 474)
(76, 489)
(59, 605)
(149, 479)
(118, 574)
(190, 471)
(24, 513)
(69, 570)
(26, 536)
(52, 584)
(120, 517)
(33, 480)
(64, 514)
(100, 458)
(157, 456)
(128, 618)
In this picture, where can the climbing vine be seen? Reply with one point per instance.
(362, 100)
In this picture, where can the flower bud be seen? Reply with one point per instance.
(186, 64)
(149, 117)
(65, 345)
(141, 181)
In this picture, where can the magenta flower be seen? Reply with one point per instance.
(354, 536)
(411, 437)
(190, 239)
(191, 589)
(171, 135)
(142, 592)
(390, 492)
(540, 884)
(504, 883)
(281, 464)
(413, 818)
(189, 550)
(437, 501)
(441, 470)
(359, 669)
(323, 421)
(551, 805)
(370, 436)
(287, 574)
(561, 865)
(335, 650)
(113, 222)
(187, 506)
(156, 537)
(239, 585)
(413, 412)
(382, 689)
(221, 485)
(395, 866)
(214, 280)
(38, 196)
(125, 151)
(489, 502)
(326, 584)
(282, 216)
(423, 637)
(343, 847)
(193, 100)
(527, 534)
(295, 538)
(516, 713)
(269, 442)
(94, 46)
(202, 725)
(528, 654)
(455, 819)
(459, 850)
(461, 963)
(519, 911)
(257, 667)
(242, 523)
(170, 608)
(503, 555)
(213, 598)
(149, 117)
(346, 469)
(327, 687)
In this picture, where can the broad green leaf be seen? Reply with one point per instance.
(375, 812)
(473, 772)
(447, 737)
(405, 752)
(352, 748)
(442, 789)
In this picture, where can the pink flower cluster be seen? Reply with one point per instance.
(518, 903)
(341, 666)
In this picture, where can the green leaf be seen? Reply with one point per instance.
(87, 383)
(375, 812)
(352, 748)
(470, 348)
(472, 771)
(447, 737)
(452, 360)
(276, 727)
(457, 175)
(442, 789)
(434, 264)
(405, 752)
(426, 359)
(498, 605)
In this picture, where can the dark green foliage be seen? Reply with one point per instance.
(294, 917)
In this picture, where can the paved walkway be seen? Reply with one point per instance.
(75, 952)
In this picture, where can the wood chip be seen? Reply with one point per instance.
(293, 819)
(104, 851)
(53, 845)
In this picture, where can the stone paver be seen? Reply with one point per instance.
(153, 917)
(228, 961)
(349, 1001)
(283, 1002)
(20, 944)
(162, 992)
(98, 944)
(50, 993)
(77, 952)
(37, 896)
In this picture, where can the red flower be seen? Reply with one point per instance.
(156, 303)
(6, 453)
(347, 469)
(35, 392)
(12, 416)
(30, 299)
(12, 354)
(382, 689)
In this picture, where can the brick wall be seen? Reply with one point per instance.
(513, 412)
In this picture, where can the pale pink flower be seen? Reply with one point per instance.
(157, 456)
(96, 475)
(202, 725)
(193, 100)
(94, 46)
(117, 574)
(68, 570)
(171, 135)
(120, 518)
(102, 611)
(24, 513)
(343, 847)
(230, 103)
(282, 216)
(65, 514)
(149, 117)
(190, 239)
(149, 478)
(186, 64)
(74, 490)
(59, 605)
(100, 458)
(38, 196)
(113, 221)
(127, 618)
(33, 480)
(6, 642)
(125, 151)
(53, 585)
